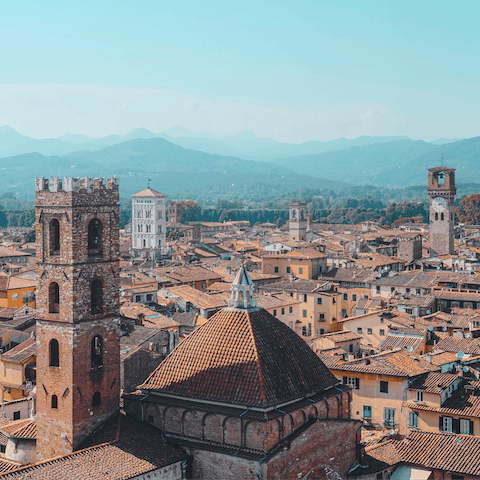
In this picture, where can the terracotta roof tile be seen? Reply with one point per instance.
(242, 357)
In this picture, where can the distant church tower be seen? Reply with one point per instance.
(297, 224)
(149, 222)
(78, 350)
(442, 191)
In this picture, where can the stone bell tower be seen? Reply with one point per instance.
(297, 223)
(442, 191)
(78, 354)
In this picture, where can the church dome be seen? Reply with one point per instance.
(243, 356)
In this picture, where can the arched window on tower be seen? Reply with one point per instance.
(96, 294)
(441, 178)
(54, 237)
(97, 399)
(97, 352)
(441, 216)
(95, 230)
(436, 216)
(53, 298)
(144, 243)
(54, 353)
(54, 401)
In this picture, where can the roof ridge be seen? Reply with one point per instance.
(257, 361)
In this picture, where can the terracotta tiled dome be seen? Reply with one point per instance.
(242, 356)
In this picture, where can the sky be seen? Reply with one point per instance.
(289, 70)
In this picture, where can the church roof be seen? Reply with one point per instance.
(244, 357)
(148, 192)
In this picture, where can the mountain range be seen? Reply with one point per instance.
(273, 170)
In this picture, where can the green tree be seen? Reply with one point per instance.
(468, 211)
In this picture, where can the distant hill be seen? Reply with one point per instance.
(174, 170)
(377, 164)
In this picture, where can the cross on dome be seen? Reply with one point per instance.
(242, 291)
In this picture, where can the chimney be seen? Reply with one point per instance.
(140, 318)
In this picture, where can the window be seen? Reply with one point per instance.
(304, 313)
(442, 216)
(359, 330)
(334, 300)
(54, 401)
(288, 269)
(354, 297)
(14, 296)
(97, 399)
(304, 297)
(283, 311)
(413, 419)
(96, 354)
(144, 243)
(54, 353)
(309, 329)
(274, 313)
(150, 296)
(95, 228)
(382, 331)
(300, 270)
(16, 415)
(3, 448)
(345, 296)
(344, 313)
(304, 331)
(28, 297)
(419, 397)
(322, 317)
(380, 476)
(321, 331)
(276, 269)
(354, 382)
(159, 229)
(392, 289)
(381, 320)
(149, 228)
(148, 214)
(466, 426)
(389, 417)
(369, 331)
(319, 300)
(53, 298)
(150, 418)
(383, 387)
(290, 309)
(407, 290)
(378, 288)
(138, 298)
(96, 297)
(367, 411)
(446, 424)
(54, 234)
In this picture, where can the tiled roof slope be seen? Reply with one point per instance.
(456, 453)
(138, 449)
(242, 357)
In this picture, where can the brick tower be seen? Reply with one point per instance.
(78, 354)
(442, 191)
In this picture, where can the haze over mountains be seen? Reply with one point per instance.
(182, 163)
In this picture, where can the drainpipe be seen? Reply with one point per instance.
(260, 465)
(141, 402)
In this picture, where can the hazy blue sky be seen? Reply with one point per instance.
(291, 70)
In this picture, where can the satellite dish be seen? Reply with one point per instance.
(460, 355)
(465, 369)
(430, 327)
(428, 312)
(410, 348)
(392, 431)
(444, 328)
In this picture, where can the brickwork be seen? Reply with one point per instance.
(325, 425)
(410, 249)
(77, 306)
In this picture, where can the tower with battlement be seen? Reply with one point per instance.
(78, 354)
